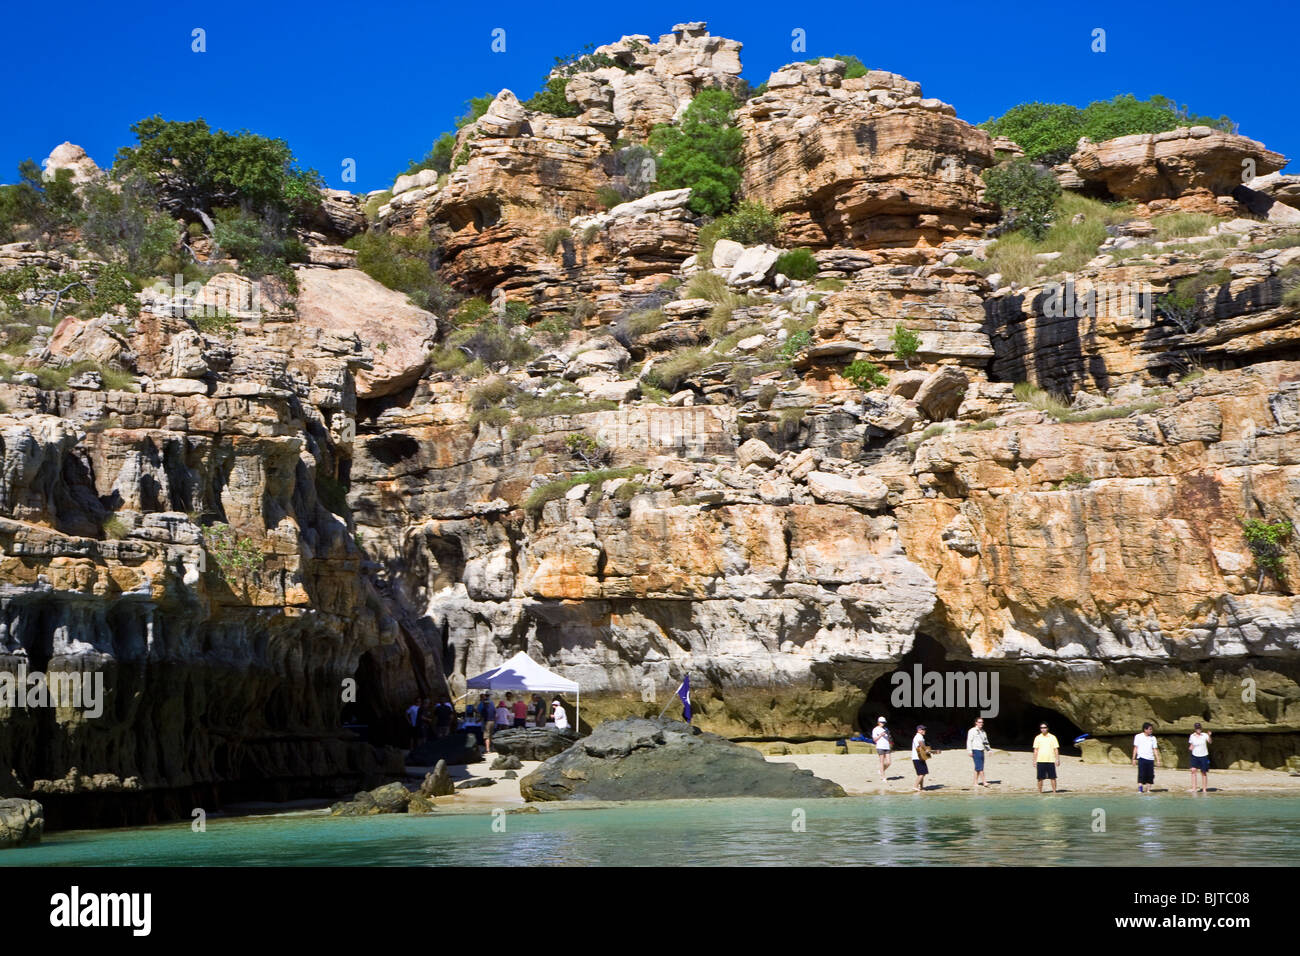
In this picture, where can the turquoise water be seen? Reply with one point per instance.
(1166, 830)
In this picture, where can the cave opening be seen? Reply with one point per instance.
(1012, 728)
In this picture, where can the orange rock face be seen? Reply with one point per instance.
(865, 162)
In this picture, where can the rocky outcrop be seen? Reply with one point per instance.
(665, 760)
(390, 798)
(397, 333)
(867, 163)
(532, 743)
(1150, 166)
(21, 822)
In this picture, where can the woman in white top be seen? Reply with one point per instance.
(1198, 744)
(884, 747)
(558, 716)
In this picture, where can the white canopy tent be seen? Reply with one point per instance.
(521, 672)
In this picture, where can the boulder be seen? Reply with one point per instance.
(532, 743)
(21, 822)
(1148, 166)
(438, 782)
(397, 333)
(756, 452)
(866, 492)
(726, 252)
(940, 395)
(640, 759)
(753, 266)
(390, 798)
(507, 762)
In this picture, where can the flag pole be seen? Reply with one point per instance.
(670, 703)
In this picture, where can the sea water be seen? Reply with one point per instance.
(928, 829)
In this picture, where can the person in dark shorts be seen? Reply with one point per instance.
(1146, 755)
(920, 753)
(487, 715)
(1198, 744)
(1047, 756)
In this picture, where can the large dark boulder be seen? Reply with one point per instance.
(21, 822)
(532, 743)
(457, 748)
(641, 759)
(390, 798)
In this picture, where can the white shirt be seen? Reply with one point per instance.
(974, 739)
(916, 742)
(1146, 746)
(878, 737)
(560, 717)
(1200, 744)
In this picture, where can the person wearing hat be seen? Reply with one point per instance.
(884, 746)
(920, 753)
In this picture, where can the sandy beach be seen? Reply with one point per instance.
(859, 775)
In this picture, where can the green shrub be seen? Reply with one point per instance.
(404, 264)
(235, 554)
(865, 375)
(797, 264)
(1026, 194)
(701, 152)
(707, 285)
(554, 490)
(1049, 132)
(263, 245)
(491, 392)
(796, 343)
(671, 372)
(1267, 540)
(1041, 399)
(196, 168)
(554, 239)
(1075, 479)
(551, 99)
(471, 310)
(440, 155)
(608, 197)
(122, 225)
(1180, 225)
(906, 344)
(641, 323)
(750, 224)
(114, 528)
(496, 416)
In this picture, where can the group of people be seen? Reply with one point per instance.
(426, 719)
(1046, 754)
(439, 720)
(512, 711)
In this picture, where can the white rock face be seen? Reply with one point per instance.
(71, 157)
(753, 266)
(867, 492)
(726, 252)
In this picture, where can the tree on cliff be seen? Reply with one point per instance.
(1025, 192)
(1049, 132)
(198, 170)
(46, 206)
(702, 152)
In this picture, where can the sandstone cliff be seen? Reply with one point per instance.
(245, 504)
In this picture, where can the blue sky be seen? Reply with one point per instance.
(377, 81)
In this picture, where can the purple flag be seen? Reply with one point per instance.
(684, 692)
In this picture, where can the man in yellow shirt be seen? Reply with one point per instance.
(1047, 757)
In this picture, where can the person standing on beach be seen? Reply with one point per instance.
(1199, 746)
(977, 745)
(884, 746)
(920, 753)
(1047, 756)
(487, 715)
(1146, 756)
